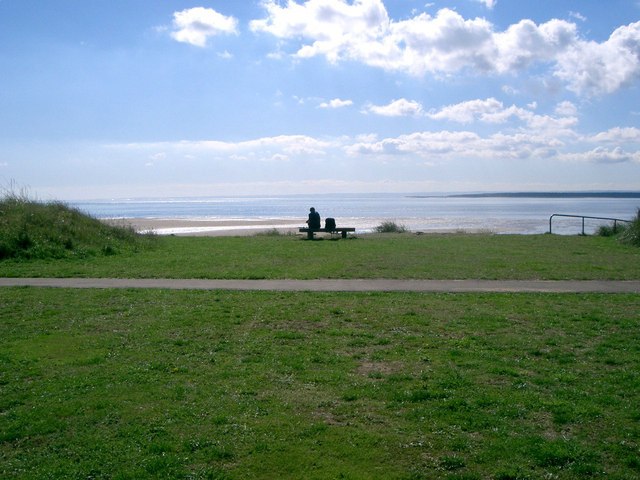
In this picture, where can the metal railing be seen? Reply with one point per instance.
(614, 220)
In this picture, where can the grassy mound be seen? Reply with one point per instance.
(31, 229)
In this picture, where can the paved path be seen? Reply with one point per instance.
(325, 285)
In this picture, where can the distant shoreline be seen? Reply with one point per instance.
(536, 195)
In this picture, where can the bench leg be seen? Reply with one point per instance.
(344, 234)
(309, 235)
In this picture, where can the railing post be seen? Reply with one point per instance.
(583, 226)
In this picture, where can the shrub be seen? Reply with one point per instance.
(631, 233)
(610, 231)
(390, 227)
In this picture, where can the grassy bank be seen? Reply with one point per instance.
(456, 256)
(156, 384)
(52, 230)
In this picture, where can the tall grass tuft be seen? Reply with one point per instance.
(273, 232)
(31, 229)
(390, 227)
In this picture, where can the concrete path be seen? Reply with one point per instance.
(327, 285)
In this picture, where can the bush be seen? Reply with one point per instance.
(390, 227)
(610, 231)
(631, 233)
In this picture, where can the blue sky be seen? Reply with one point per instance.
(138, 98)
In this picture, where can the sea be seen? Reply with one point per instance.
(514, 213)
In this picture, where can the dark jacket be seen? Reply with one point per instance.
(314, 220)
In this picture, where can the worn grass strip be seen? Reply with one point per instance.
(194, 384)
(460, 256)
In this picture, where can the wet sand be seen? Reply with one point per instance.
(208, 227)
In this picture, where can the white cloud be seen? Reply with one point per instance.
(447, 43)
(603, 155)
(336, 103)
(397, 108)
(332, 25)
(509, 90)
(617, 135)
(494, 112)
(279, 157)
(525, 43)
(448, 145)
(287, 144)
(592, 68)
(488, 3)
(265, 146)
(196, 25)
(553, 126)
(578, 16)
(566, 109)
(467, 112)
(540, 138)
(424, 144)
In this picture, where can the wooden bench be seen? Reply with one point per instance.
(310, 231)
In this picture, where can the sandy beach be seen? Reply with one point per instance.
(247, 227)
(207, 227)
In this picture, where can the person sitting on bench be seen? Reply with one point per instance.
(314, 219)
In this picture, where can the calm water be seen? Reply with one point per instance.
(365, 211)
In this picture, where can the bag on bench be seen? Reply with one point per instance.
(330, 224)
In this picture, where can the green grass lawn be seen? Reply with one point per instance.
(456, 256)
(131, 384)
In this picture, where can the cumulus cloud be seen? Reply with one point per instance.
(525, 43)
(397, 108)
(333, 26)
(336, 103)
(447, 43)
(592, 68)
(493, 111)
(196, 25)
